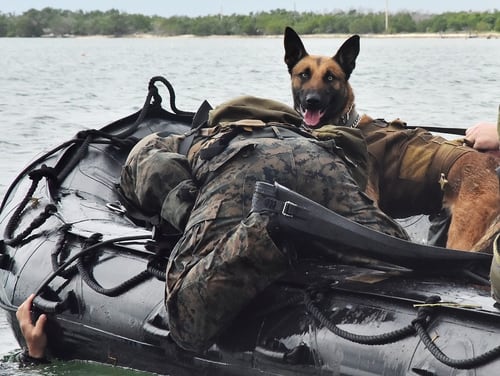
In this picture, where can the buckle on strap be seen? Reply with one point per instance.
(264, 200)
(289, 209)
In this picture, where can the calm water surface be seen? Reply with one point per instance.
(52, 88)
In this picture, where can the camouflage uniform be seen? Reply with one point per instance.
(226, 255)
(157, 179)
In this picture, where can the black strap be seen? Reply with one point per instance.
(299, 214)
(457, 131)
(199, 120)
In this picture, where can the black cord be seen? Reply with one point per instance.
(468, 363)
(380, 339)
(83, 252)
(32, 165)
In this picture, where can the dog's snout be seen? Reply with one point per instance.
(313, 100)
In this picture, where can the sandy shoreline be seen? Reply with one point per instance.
(488, 35)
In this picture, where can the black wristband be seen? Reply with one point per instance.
(27, 360)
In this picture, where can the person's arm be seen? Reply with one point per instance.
(34, 334)
(483, 136)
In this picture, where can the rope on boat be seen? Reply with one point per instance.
(380, 339)
(60, 253)
(468, 363)
(93, 243)
(53, 176)
(30, 167)
(94, 285)
(84, 252)
(89, 137)
(155, 271)
(418, 326)
(113, 291)
(153, 93)
(14, 220)
(171, 92)
(49, 210)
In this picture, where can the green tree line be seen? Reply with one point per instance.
(58, 22)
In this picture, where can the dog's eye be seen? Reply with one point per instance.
(305, 75)
(330, 77)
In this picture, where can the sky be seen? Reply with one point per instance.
(193, 8)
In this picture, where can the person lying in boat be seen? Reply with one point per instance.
(227, 253)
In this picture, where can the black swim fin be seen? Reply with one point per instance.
(302, 215)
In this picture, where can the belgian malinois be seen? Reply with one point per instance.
(411, 171)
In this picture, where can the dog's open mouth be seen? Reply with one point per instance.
(312, 117)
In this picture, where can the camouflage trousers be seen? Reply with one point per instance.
(226, 256)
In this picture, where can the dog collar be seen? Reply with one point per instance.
(351, 118)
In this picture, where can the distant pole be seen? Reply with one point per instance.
(386, 16)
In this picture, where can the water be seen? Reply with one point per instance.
(52, 88)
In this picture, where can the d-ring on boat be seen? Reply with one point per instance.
(390, 307)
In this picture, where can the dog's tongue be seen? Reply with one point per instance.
(312, 117)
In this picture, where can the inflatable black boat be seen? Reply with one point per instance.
(386, 307)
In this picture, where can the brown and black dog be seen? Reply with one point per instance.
(411, 171)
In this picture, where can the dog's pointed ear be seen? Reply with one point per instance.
(347, 54)
(294, 48)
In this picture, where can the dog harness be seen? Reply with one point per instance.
(411, 166)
